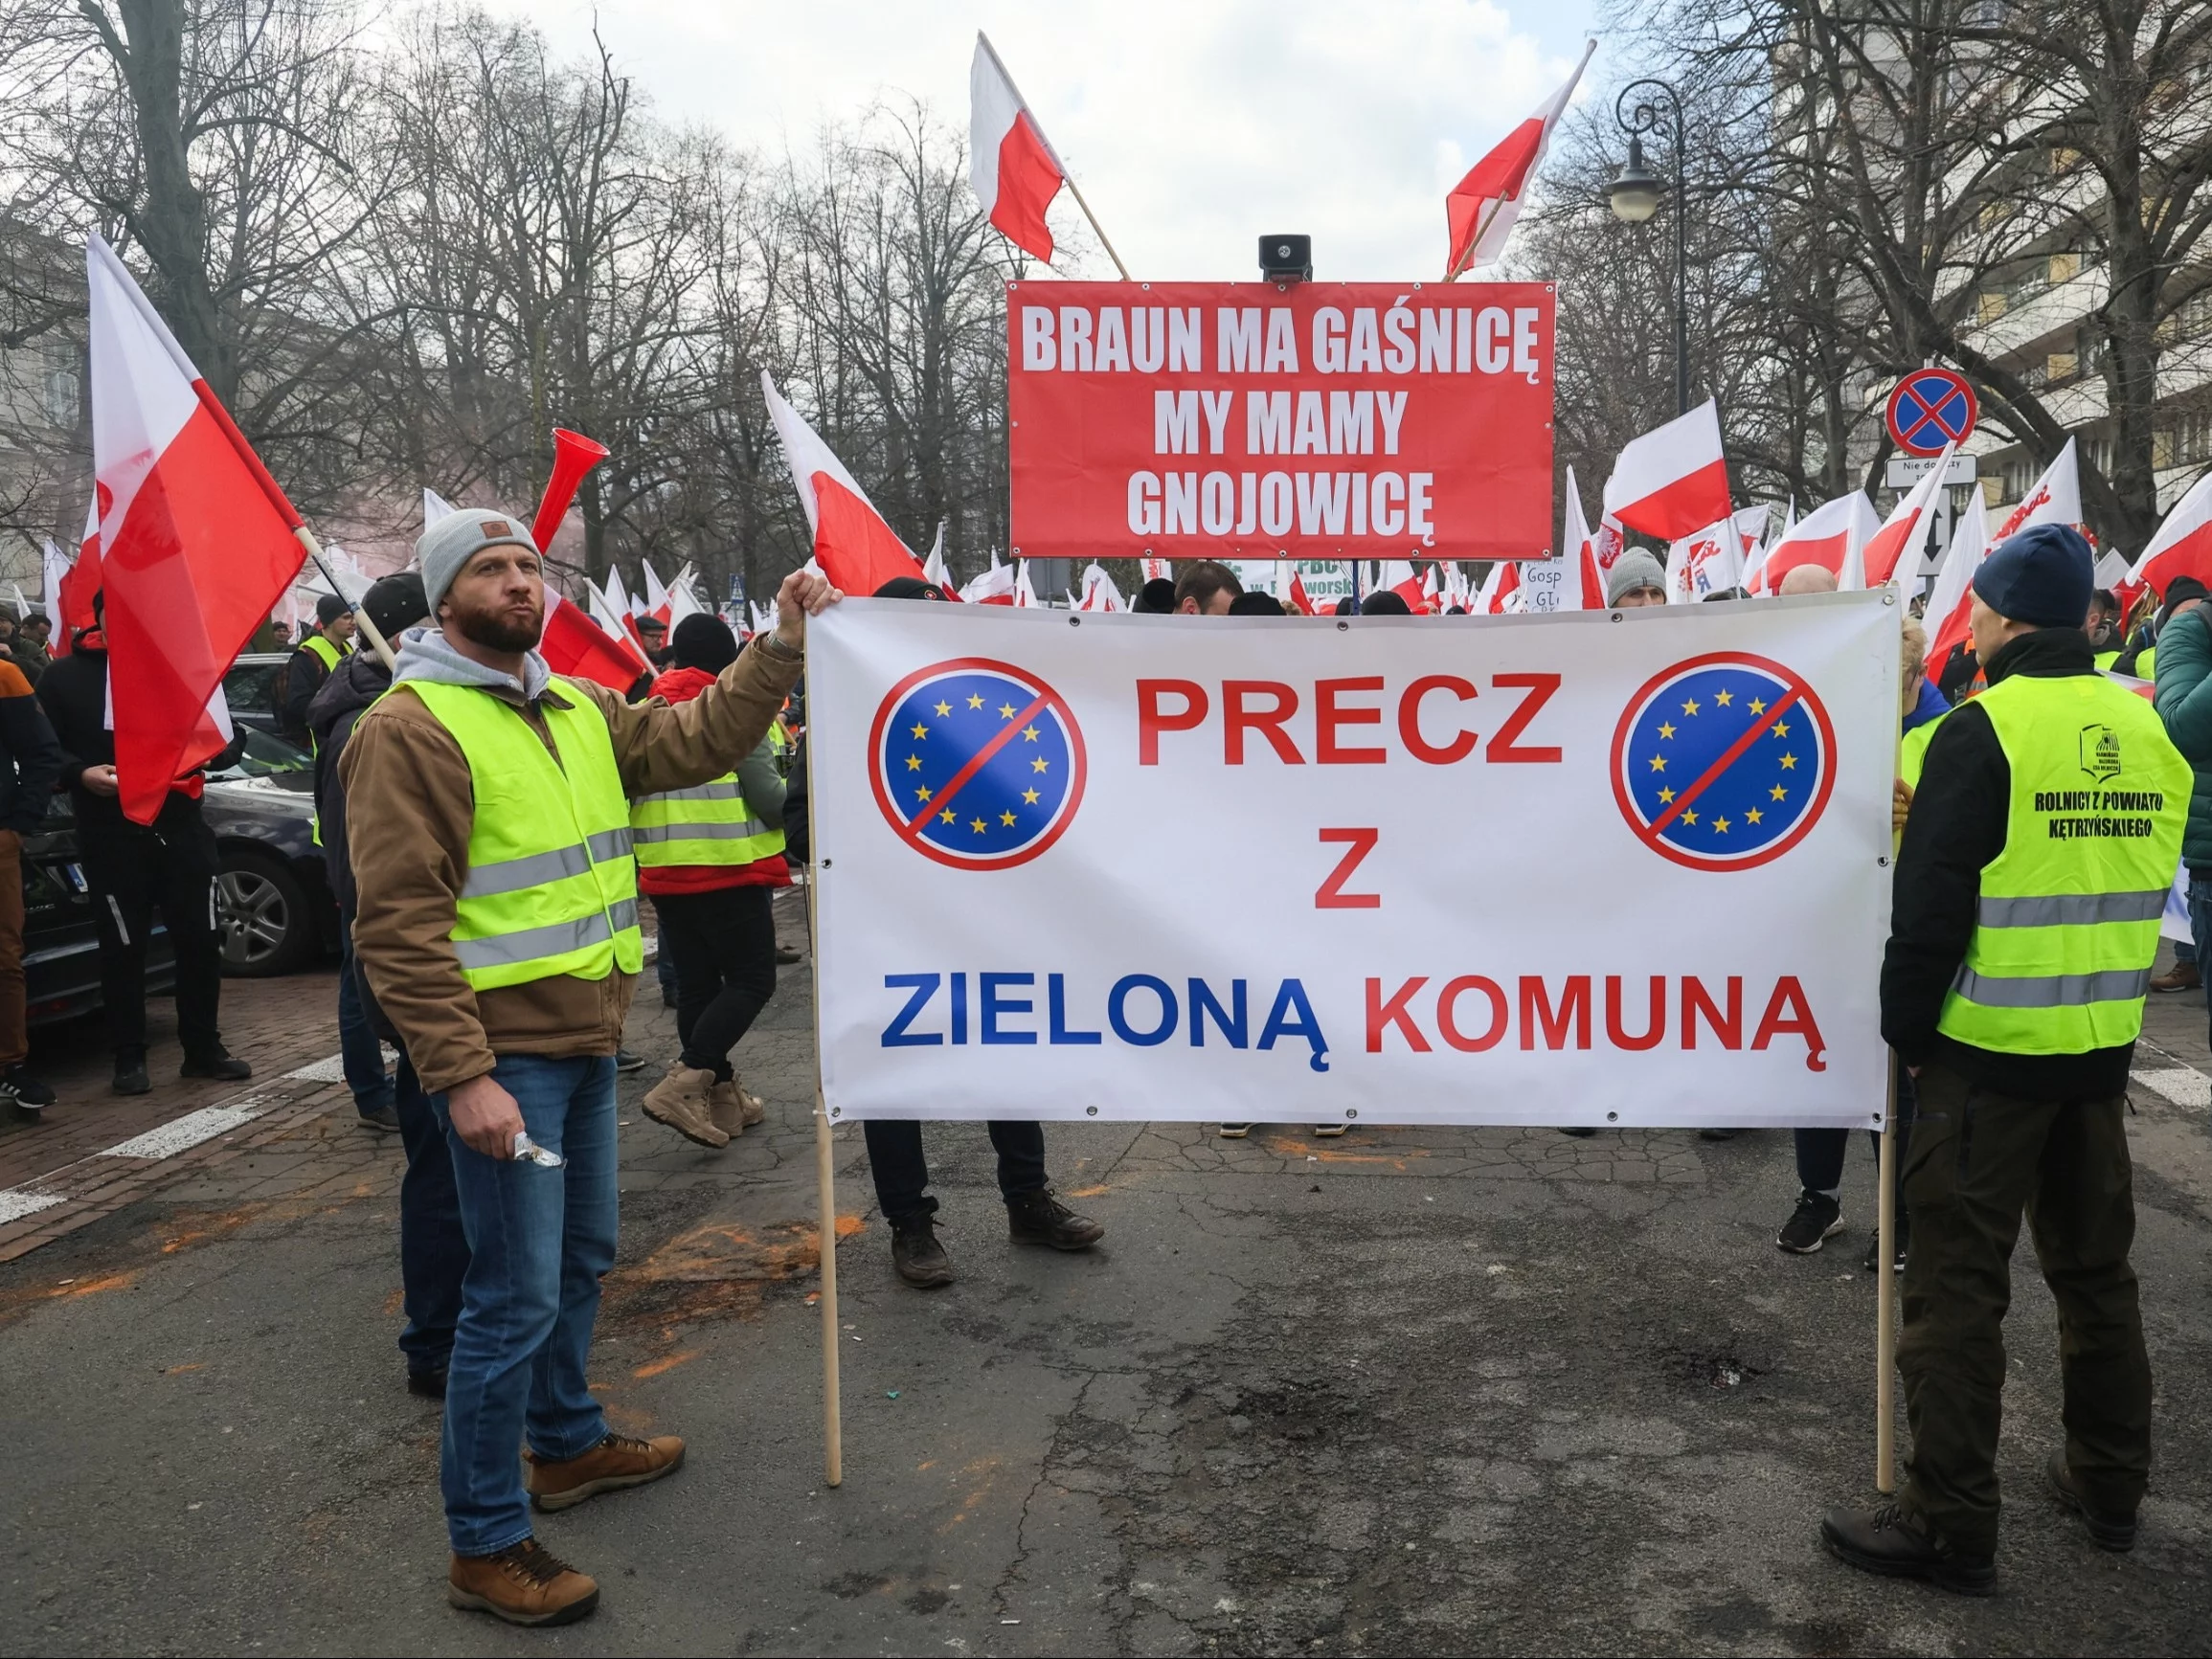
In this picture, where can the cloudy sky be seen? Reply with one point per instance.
(1193, 126)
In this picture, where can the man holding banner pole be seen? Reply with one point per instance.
(2033, 871)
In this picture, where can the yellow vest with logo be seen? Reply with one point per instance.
(552, 886)
(2067, 921)
(709, 825)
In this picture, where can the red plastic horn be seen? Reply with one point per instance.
(574, 456)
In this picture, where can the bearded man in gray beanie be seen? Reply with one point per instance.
(489, 815)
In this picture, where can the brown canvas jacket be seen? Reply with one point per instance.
(409, 809)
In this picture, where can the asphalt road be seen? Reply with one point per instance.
(1462, 1390)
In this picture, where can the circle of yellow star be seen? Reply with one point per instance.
(922, 794)
(1665, 729)
(913, 763)
(944, 710)
(1753, 815)
(1028, 734)
(1005, 817)
(1028, 797)
(1778, 792)
(1659, 763)
(977, 824)
(946, 817)
(1005, 711)
(1781, 729)
(920, 731)
(1789, 763)
(1720, 826)
(1040, 763)
(976, 701)
(1721, 699)
(1690, 706)
(1756, 706)
(1666, 796)
(1689, 816)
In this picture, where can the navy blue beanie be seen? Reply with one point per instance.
(2043, 577)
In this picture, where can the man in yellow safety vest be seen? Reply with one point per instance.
(309, 667)
(2042, 842)
(489, 818)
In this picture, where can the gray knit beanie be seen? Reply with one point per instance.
(459, 536)
(1633, 570)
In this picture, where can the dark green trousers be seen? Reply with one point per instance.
(1977, 1161)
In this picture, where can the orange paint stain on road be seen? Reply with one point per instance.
(654, 1367)
(180, 1370)
(395, 1303)
(1090, 1192)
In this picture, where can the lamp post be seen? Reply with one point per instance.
(1635, 197)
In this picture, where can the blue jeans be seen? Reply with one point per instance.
(539, 1240)
(433, 1247)
(2200, 920)
(358, 1050)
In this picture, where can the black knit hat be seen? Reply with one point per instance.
(910, 588)
(1252, 602)
(703, 640)
(396, 604)
(2043, 577)
(329, 608)
(1384, 604)
(1155, 598)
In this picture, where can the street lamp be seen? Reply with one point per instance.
(1635, 197)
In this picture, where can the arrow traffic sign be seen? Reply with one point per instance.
(1930, 407)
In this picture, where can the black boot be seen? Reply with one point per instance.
(130, 1076)
(2114, 1533)
(1888, 1541)
(215, 1062)
(1039, 1217)
(917, 1256)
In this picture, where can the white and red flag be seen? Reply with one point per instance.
(57, 572)
(1157, 569)
(937, 569)
(2182, 546)
(1905, 526)
(1482, 207)
(1674, 481)
(1099, 593)
(1298, 592)
(1582, 587)
(1708, 562)
(1014, 170)
(1834, 535)
(576, 645)
(1951, 605)
(857, 551)
(197, 543)
(2055, 500)
(1024, 591)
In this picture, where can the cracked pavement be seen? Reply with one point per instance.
(1474, 1390)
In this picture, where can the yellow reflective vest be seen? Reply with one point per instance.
(551, 886)
(709, 825)
(326, 650)
(2067, 921)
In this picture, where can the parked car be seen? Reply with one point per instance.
(60, 930)
(250, 688)
(273, 902)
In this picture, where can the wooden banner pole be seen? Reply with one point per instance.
(1884, 1302)
(824, 1149)
(369, 630)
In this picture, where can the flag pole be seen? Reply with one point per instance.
(1460, 265)
(377, 641)
(825, 1159)
(1074, 190)
(1885, 1294)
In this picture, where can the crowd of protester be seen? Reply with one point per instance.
(492, 938)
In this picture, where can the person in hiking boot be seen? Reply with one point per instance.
(1034, 1215)
(433, 1247)
(489, 817)
(2035, 863)
(710, 858)
(133, 870)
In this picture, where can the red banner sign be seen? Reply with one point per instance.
(1264, 421)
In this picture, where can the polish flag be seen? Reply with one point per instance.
(994, 587)
(1157, 569)
(197, 543)
(1751, 530)
(683, 597)
(856, 550)
(2183, 544)
(607, 612)
(1756, 562)
(1482, 206)
(576, 645)
(1024, 591)
(1399, 577)
(57, 573)
(1433, 599)
(937, 569)
(1298, 592)
(656, 593)
(1581, 587)
(1672, 482)
(1951, 605)
(1013, 169)
(1707, 563)
(2055, 500)
(1899, 531)
(1833, 536)
(1099, 593)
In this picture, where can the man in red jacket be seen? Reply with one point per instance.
(710, 857)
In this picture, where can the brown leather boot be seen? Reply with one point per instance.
(734, 1108)
(681, 1101)
(616, 1462)
(525, 1583)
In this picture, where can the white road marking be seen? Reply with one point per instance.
(16, 1203)
(2183, 1085)
(186, 1132)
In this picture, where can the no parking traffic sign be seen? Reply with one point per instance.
(1929, 409)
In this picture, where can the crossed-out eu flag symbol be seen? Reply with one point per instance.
(1723, 763)
(978, 766)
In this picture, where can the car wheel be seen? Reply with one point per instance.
(262, 917)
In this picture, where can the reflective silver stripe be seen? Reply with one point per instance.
(2072, 910)
(609, 844)
(531, 870)
(702, 832)
(529, 944)
(2052, 990)
(721, 789)
(625, 914)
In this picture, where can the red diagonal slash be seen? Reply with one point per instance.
(975, 763)
(1730, 757)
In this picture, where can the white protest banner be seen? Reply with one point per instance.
(1144, 867)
